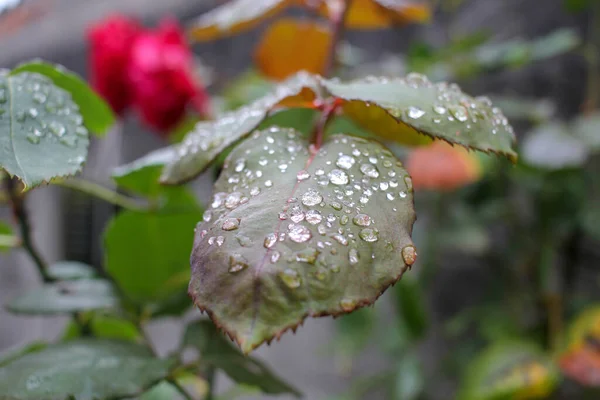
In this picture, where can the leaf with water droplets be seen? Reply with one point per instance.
(86, 369)
(97, 114)
(65, 297)
(509, 370)
(405, 109)
(327, 235)
(41, 130)
(210, 138)
(71, 270)
(216, 351)
(234, 17)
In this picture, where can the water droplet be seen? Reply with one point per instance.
(299, 233)
(415, 112)
(390, 196)
(313, 217)
(344, 219)
(345, 162)
(402, 194)
(275, 256)
(244, 241)
(338, 177)
(290, 278)
(297, 215)
(348, 305)
(33, 112)
(233, 200)
(268, 183)
(237, 263)
(220, 240)
(409, 255)
(39, 98)
(353, 256)
(270, 240)
(33, 139)
(311, 198)
(255, 191)
(231, 224)
(439, 109)
(20, 115)
(302, 175)
(336, 206)
(384, 185)
(369, 234)
(33, 382)
(321, 273)
(369, 170)
(240, 165)
(409, 184)
(362, 220)
(341, 239)
(308, 255)
(459, 112)
(57, 128)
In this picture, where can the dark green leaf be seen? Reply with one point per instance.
(437, 110)
(148, 254)
(353, 332)
(6, 231)
(65, 297)
(96, 113)
(104, 327)
(410, 306)
(71, 270)
(509, 370)
(210, 138)
(84, 370)
(162, 391)
(13, 355)
(218, 352)
(41, 131)
(291, 235)
(551, 146)
(245, 88)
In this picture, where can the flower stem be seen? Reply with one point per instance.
(20, 214)
(101, 192)
(337, 21)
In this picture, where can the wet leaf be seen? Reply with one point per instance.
(437, 110)
(234, 17)
(509, 370)
(10, 356)
(83, 369)
(290, 235)
(97, 114)
(209, 139)
(552, 146)
(71, 270)
(65, 297)
(376, 14)
(581, 359)
(39, 121)
(215, 350)
(141, 176)
(290, 45)
(441, 166)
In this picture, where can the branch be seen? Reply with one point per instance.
(337, 21)
(93, 189)
(20, 214)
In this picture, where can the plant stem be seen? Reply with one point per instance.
(337, 22)
(101, 192)
(17, 201)
(9, 241)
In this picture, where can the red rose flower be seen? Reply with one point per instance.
(161, 76)
(110, 49)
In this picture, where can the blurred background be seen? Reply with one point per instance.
(508, 277)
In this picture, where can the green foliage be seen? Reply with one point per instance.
(83, 369)
(71, 270)
(5, 230)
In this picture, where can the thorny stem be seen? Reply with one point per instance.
(102, 193)
(337, 21)
(17, 201)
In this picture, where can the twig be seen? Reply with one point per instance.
(101, 192)
(17, 201)
(337, 21)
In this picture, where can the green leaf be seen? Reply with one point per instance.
(65, 297)
(13, 355)
(353, 332)
(71, 270)
(509, 370)
(551, 146)
(104, 326)
(410, 306)
(162, 391)
(148, 254)
(97, 114)
(409, 381)
(413, 106)
(41, 131)
(291, 235)
(141, 176)
(234, 17)
(84, 370)
(210, 138)
(5, 230)
(218, 352)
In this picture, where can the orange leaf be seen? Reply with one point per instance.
(441, 166)
(289, 46)
(234, 17)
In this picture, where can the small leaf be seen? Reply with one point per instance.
(551, 146)
(290, 45)
(97, 114)
(441, 166)
(103, 326)
(234, 17)
(141, 176)
(65, 297)
(211, 138)
(41, 131)
(216, 351)
(509, 370)
(438, 110)
(84, 370)
(71, 270)
(291, 235)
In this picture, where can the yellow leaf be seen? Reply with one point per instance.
(234, 17)
(289, 46)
